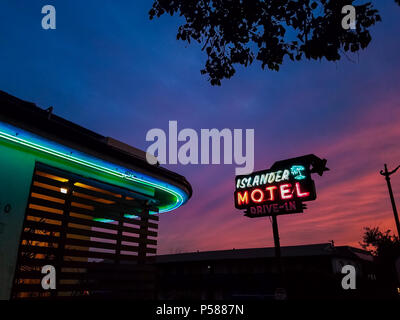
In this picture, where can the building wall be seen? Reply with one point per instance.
(308, 277)
(16, 169)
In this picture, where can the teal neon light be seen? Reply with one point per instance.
(128, 216)
(30, 140)
(297, 172)
(103, 220)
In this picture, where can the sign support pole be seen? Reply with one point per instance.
(293, 185)
(278, 250)
(276, 238)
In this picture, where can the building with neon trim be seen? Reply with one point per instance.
(81, 202)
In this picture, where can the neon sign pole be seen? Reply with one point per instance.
(387, 175)
(282, 189)
(277, 243)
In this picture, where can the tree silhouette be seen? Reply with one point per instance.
(382, 244)
(235, 32)
(386, 249)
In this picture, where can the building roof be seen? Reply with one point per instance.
(322, 249)
(30, 117)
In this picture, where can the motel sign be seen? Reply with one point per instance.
(282, 189)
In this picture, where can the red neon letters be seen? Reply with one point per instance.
(257, 195)
(284, 192)
(299, 193)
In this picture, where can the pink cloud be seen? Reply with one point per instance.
(351, 196)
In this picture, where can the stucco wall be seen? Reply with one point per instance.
(16, 169)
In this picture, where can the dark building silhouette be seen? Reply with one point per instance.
(310, 271)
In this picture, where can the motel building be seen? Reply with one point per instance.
(310, 271)
(80, 202)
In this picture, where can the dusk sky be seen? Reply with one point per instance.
(109, 68)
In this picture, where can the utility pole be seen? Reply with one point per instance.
(387, 175)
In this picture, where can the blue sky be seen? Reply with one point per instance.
(109, 68)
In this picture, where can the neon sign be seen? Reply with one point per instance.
(282, 189)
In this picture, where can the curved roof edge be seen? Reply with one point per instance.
(29, 117)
